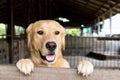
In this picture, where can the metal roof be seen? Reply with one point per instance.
(84, 11)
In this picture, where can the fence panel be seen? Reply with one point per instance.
(101, 52)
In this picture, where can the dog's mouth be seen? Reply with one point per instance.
(49, 57)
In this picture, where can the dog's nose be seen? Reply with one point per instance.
(51, 46)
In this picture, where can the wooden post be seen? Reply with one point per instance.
(28, 12)
(98, 25)
(95, 23)
(110, 21)
(103, 22)
(10, 28)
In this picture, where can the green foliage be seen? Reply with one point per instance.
(2, 31)
(18, 30)
(73, 32)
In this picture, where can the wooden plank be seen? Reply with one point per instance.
(8, 72)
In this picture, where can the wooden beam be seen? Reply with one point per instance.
(10, 27)
(8, 72)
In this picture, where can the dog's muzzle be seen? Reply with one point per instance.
(48, 57)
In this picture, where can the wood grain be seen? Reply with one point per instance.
(10, 72)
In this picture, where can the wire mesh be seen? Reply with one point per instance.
(103, 53)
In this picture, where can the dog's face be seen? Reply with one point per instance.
(47, 39)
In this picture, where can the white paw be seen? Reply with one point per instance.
(85, 68)
(25, 65)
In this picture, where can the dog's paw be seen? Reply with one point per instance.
(85, 68)
(25, 65)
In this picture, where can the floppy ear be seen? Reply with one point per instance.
(63, 43)
(29, 28)
(63, 39)
(29, 32)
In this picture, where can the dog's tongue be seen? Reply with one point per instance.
(50, 57)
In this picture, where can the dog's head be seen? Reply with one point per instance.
(46, 39)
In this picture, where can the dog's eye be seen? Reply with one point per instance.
(57, 32)
(40, 32)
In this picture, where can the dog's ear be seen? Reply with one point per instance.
(63, 43)
(29, 28)
(63, 40)
(29, 32)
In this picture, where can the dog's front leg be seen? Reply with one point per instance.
(85, 68)
(25, 65)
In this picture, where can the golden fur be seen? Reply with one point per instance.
(39, 35)
(37, 42)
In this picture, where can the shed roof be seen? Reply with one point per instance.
(84, 11)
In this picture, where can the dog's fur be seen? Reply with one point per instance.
(46, 41)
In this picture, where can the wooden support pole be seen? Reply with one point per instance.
(103, 22)
(28, 12)
(110, 21)
(95, 23)
(8, 72)
(10, 28)
(103, 19)
(98, 23)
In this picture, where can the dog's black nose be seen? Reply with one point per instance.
(51, 46)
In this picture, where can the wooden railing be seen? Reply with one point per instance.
(8, 72)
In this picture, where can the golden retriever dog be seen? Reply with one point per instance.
(46, 41)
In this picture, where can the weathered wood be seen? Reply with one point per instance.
(10, 28)
(8, 72)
